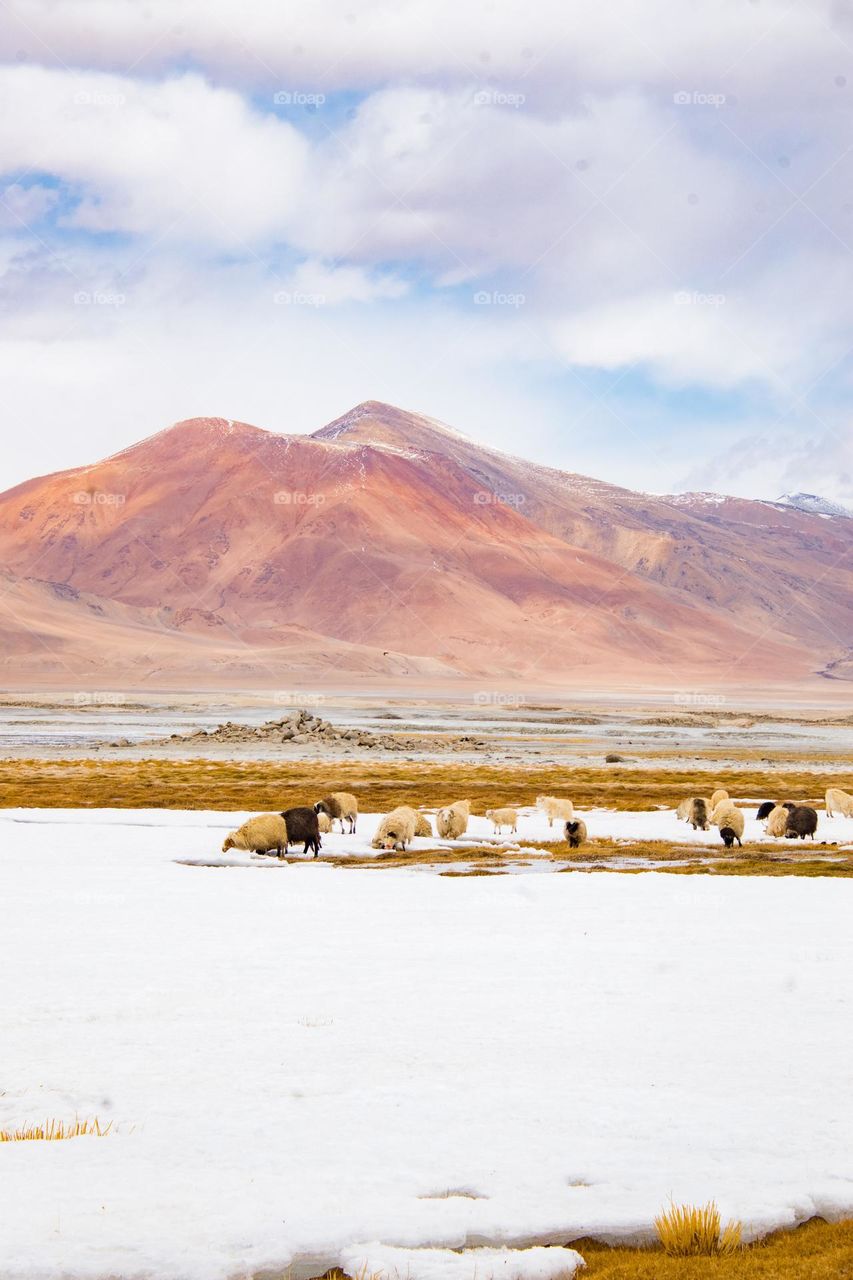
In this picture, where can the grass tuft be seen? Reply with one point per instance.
(692, 1231)
(57, 1131)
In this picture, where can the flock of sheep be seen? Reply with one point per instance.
(276, 832)
(785, 820)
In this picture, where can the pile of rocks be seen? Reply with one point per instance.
(302, 728)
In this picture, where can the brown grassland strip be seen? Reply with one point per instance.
(816, 1251)
(258, 785)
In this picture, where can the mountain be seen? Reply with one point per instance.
(387, 545)
(812, 503)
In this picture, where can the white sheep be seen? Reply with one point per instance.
(259, 835)
(397, 829)
(777, 821)
(684, 807)
(452, 820)
(718, 797)
(728, 817)
(503, 818)
(553, 807)
(324, 822)
(340, 806)
(422, 825)
(838, 802)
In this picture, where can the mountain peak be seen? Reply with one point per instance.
(375, 422)
(812, 504)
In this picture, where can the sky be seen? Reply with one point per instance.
(615, 238)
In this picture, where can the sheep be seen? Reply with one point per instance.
(802, 822)
(777, 821)
(717, 797)
(324, 822)
(452, 820)
(341, 807)
(838, 801)
(576, 833)
(698, 813)
(503, 818)
(728, 815)
(422, 825)
(397, 829)
(302, 824)
(765, 809)
(553, 808)
(264, 834)
(683, 810)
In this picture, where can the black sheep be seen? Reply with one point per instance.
(302, 824)
(729, 837)
(765, 809)
(802, 822)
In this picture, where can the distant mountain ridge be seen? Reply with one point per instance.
(387, 545)
(813, 504)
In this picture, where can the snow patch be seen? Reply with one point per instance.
(470, 1264)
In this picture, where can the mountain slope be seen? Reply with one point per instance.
(387, 544)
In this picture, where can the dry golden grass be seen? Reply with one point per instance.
(817, 1251)
(57, 1131)
(380, 785)
(695, 1231)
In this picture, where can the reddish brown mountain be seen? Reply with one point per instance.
(215, 553)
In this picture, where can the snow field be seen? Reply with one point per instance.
(329, 1065)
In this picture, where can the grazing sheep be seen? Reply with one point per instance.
(802, 822)
(777, 821)
(503, 818)
(684, 807)
(728, 815)
(729, 835)
(397, 829)
(576, 833)
(265, 834)
(553, 807)
(341, 807)
(302, 824)
(324, 822)
(765, 809)
(423, 826)
(698, 813)
(452, 820)
(838, 802)
(717, 797)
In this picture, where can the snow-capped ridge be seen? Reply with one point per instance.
(813, 504)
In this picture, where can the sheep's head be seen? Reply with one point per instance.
(228, 844)
(322, 807)
(542, 801)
